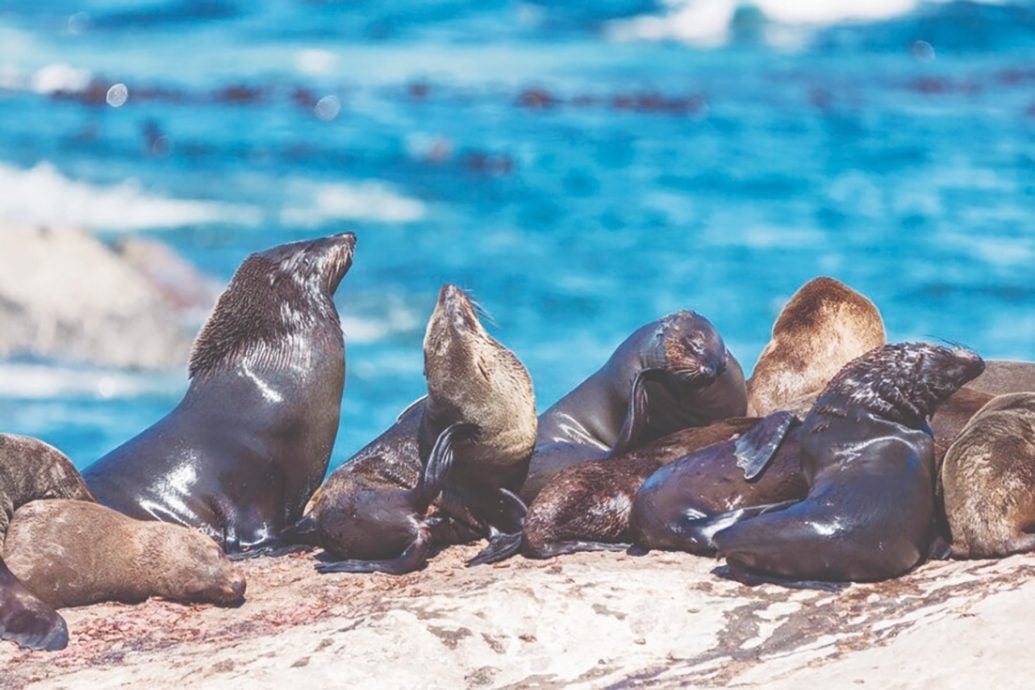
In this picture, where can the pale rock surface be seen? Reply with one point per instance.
(585, 621)
(66, 295)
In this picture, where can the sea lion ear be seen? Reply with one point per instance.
(636, 415)
(756, 447)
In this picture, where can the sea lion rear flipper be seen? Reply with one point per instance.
(415, 557)
(25, 619)
(756, 447)
(439, 461)
(561, 548)
(503, 545)
(752, 579)
(636, 419)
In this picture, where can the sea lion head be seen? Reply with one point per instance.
(904, 382)
(681, 364)
(463, 364)
(194, 567)
(275, 295)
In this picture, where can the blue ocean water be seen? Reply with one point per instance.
(582, 168)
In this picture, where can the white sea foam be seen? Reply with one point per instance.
(42, 195)
(37, 381)
(60, 77)
(708, 22)
(370, 201)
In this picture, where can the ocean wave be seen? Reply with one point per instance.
(40, 381)
(709, 23)
(41, 195)
(368, 201)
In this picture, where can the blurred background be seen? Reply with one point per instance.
(582, 168)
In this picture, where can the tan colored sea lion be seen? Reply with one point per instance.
(30, 470)
(988, 480)
(73, 553)
(824, 326)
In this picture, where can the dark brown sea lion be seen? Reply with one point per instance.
(868, 457)
(1005, 376)
(243, 452)
(474, 433)
(669, 375)
(988, 480)
(73, 553)
(684, 504)
(30, 470)
(824, 326)
(586, 507)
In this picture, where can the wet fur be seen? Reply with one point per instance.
(867, 454)
(592, 501)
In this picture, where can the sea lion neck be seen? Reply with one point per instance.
(242, 327)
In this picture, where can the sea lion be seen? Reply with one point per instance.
(242, 453)
(474, 434)
(1005, 376)
(30, 470)
(824, 326)
(867, 454)
(988, 480)
(669, 375)
(73, 553)
(586, 507)
(682, 505)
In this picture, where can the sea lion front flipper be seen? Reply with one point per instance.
(756, 447)
(697, 531)
(503, 545)
(25, 619)
(636, 417)
(415, 557)
(440, 461)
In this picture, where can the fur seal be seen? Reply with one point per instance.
(250, 441)
(671, 374)
(867, 454)
(473, 433)
(30, 470)
(824, 326)
(988, 480)
(682, 505)
(73, 553)
(586, 507)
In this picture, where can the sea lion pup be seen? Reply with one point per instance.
(242, 453)
(586, 507)
(669, 375)
(824, 326)
(73, 553)
(1005, 376)
(867, 453)
(30, 470)
(988, 480)
(474, 433)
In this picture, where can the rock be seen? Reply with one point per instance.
(66, 295)
(588, 620)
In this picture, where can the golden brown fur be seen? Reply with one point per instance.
(824, 326)
(988, 480)
(72, 553)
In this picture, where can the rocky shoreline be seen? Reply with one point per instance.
(590, 620)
